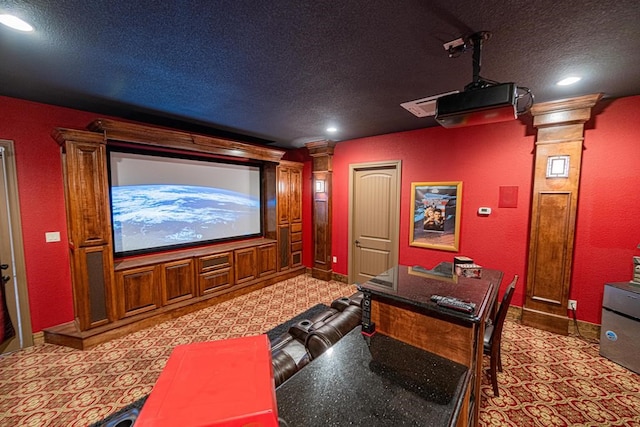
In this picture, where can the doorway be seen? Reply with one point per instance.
(13, 273)
(374, 218)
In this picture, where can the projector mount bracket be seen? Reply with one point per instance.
(461, 45)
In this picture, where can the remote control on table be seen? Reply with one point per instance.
(454, 303)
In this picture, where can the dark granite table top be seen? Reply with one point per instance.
(374, 381)
(415, 286)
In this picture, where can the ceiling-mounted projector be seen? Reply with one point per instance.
(489, 104)
(482, 101)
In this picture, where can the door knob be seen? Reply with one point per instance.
(357, 243)
(5, 279)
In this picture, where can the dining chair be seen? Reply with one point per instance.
(493, 335)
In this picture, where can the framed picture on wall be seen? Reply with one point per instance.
(435, 222)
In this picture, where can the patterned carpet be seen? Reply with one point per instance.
(548, 380)
(554, 380)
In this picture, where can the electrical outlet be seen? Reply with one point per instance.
(335, 259)
(573, 304)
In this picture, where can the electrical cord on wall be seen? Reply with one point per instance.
(575, 323)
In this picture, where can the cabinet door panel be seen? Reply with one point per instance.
(245, 264)
(267, 259)
(138, 290)
(283, 195)
(86, 193)
(289, 215)
(178, 281)
(295, 195)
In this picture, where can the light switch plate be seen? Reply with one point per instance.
(52, 236)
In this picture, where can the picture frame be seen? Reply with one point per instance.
(435, 221)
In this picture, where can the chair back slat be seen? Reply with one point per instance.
(502, 310)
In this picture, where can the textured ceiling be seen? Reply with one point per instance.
(282, 71)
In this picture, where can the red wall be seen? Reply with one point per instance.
(487, 157)
(483, 157)
(42, 208)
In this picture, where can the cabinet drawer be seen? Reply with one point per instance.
(296, 237)
(216, 282)
(296, 227)
(296, 259)
(296, 246)
(214, 262)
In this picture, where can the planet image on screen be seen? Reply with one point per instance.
(153, 216)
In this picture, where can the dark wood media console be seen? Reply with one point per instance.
(115, 297)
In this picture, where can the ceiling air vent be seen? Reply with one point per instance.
(424, 107)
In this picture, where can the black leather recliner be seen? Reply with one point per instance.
(331, 330)
(292, 350)
(288, 356)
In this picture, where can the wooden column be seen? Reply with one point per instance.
(558, 158)
(322, 153)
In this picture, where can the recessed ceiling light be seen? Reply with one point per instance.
(332, 129)
(568, 81)
(15, 23)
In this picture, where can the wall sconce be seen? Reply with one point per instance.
(319, 186)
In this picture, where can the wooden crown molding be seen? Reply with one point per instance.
(319, 148)
(114, 130)
(564, 111)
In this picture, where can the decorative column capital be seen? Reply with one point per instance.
(319, 148)
(564, 111)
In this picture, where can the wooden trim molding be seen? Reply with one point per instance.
(579, 328)
(560, 135)
(150, 135)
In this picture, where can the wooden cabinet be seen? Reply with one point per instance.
(115, 297)
(146, 288)
(89, 226)
(289, 215)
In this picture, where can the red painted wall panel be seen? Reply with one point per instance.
(608, 221)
